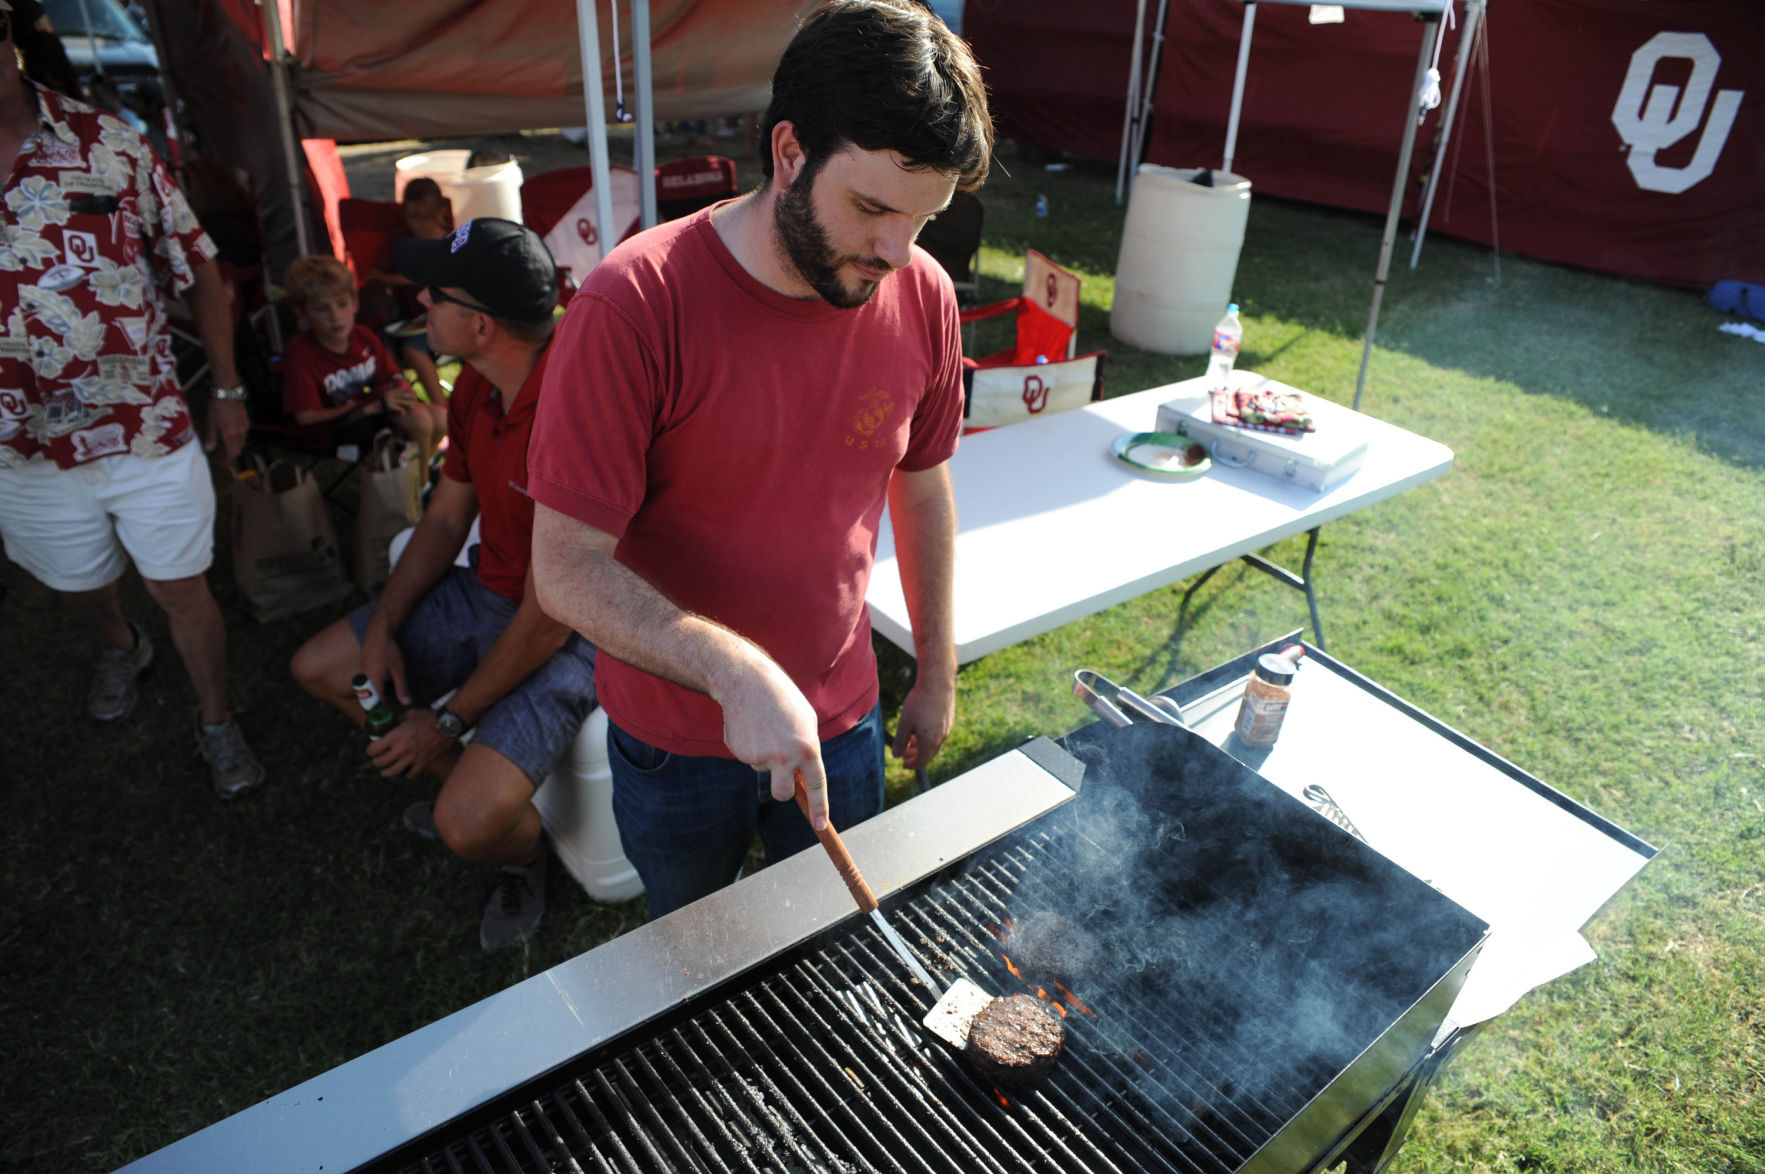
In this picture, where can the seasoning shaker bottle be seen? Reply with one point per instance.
(1266, 696)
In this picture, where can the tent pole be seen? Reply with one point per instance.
(645, 154)
(1133, 101)
(1153, 59)
(303, 238)
(1411, 117)
(1238, 86)
(1473, 9)
(588, 36)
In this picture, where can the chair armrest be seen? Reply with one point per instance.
(990, 310)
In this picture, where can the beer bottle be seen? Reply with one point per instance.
(381, 717)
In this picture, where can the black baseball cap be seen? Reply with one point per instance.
(503, 265)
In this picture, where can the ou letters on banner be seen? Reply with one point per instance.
(1651, 118)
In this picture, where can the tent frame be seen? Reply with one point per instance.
(1428, 13)
(589, 45)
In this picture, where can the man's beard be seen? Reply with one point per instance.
(807, 248)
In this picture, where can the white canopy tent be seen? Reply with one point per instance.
(1428, 12)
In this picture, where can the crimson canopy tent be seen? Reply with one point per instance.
(348, 70)
(1416, 108)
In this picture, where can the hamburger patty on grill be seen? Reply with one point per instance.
(1015, 1038)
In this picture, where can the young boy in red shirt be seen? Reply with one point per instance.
(337, 373)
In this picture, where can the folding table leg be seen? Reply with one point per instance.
(1300, 582)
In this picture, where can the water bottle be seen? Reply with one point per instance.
(1227, 337)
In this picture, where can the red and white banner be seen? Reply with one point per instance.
(1628, 135)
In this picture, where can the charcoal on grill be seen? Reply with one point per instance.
(1051, 946)
(1015, 1039)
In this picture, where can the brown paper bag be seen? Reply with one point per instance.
(391, 501)
(285, 555)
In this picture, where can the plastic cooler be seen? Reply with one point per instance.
(1179, 257)
(493, 190)
(576, 805)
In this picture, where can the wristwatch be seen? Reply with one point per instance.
(231, 395)
(450, 725)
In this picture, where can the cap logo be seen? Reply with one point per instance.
(460, 235)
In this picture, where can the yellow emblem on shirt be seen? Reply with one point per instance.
(874, 408)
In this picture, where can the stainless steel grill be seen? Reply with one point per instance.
(1266, 994)
(815, 1062)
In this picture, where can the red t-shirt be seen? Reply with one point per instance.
(316, 379)
(739, 443)
(488, 450)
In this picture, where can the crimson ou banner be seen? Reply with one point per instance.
(1622, 135)
(1628, 138)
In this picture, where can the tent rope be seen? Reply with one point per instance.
(1489, 149)
(1429, 98)
(619, 114)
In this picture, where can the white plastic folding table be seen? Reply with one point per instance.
(1052, 527)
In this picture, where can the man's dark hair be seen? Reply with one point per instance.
(882, 75)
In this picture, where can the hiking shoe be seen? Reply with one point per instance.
(113, 694)
(419, 819)
(232, 766)
(517, 899)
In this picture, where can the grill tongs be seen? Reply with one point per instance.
(1120, 707)
(951, 1018)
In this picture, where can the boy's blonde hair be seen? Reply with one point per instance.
(422, 197)
(314, 277)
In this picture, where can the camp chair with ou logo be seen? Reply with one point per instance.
(1041, 372)
(560, 206)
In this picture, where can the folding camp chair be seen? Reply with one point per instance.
(231, 217)
(560, 206)
(954, 241)
(1042, 371)
(369, 227)
(686, 185)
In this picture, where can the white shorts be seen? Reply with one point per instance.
(71, 527)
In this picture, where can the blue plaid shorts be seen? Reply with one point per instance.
(450, 631)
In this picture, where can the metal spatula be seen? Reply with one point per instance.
(953, 1015)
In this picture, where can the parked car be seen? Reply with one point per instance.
(109, 49)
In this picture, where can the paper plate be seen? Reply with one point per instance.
(1161, 454)
(410, 328)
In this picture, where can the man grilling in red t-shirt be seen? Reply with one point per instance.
(740, 392)
(524, 681)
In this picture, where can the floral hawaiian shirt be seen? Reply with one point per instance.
(93, 235)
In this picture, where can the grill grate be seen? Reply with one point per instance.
(818, 1065)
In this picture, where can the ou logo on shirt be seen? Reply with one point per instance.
(1649, 120)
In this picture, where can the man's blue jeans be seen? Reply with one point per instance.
(686, 823)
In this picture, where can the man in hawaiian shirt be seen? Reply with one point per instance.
(98, 460)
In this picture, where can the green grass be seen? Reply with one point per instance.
(1581, 594)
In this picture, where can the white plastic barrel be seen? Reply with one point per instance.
(492, 190)
(576, 806)
(1179, 257)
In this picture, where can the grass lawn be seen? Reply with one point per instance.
(1581, 594)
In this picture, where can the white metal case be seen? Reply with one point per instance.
(1316, 460)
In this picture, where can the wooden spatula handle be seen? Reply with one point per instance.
(836, 851)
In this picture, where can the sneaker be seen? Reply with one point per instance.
(113, 694)
(232, 766)
(517, 900)
(419, 819)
